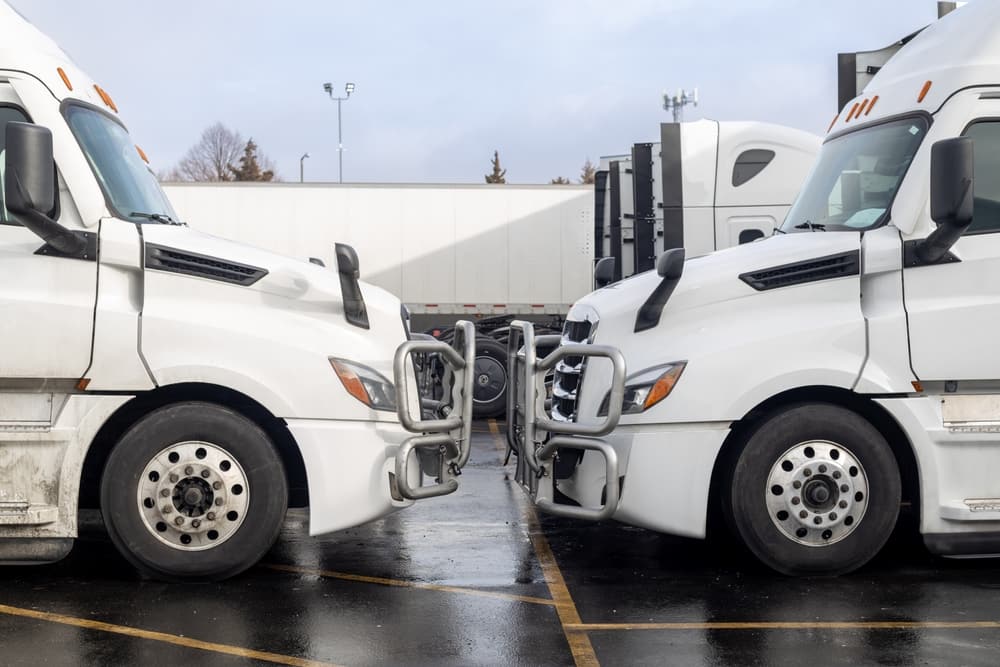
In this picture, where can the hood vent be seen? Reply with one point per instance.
(812, 270)
(161, 258)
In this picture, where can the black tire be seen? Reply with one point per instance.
(236, 487)
(490, 381)
(848, 486)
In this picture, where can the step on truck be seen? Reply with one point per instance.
(188, 386)
(801, 388)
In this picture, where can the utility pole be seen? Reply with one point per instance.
(348, 89)
(302, 168)
(677, 103)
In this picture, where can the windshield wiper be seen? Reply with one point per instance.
(778, 230)
(811, 226)
(161, 218)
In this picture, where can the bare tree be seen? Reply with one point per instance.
(559, 180)
(211, 158)
(499, 174)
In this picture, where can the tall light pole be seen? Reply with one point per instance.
(679, 101)
(349, 88)
(302, 168)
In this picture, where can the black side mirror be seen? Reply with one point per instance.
(347, 260)
(30, 187)
(670, 267)
(29, 181)
(604, 272)
(952, 180)
(671, 264)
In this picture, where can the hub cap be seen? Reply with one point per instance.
(817, 493)
(193, 496)
(490, 380)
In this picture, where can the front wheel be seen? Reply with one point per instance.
(194, 491)
(815, 491)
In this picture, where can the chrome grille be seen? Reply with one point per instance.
(569, 371)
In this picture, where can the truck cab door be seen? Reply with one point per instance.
(46, 302)
(953, 307)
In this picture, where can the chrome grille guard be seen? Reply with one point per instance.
(444, 442)
(536, 438)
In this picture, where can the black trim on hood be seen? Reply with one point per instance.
(174, 260)
(806, 271)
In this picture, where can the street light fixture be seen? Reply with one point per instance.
(348, 89)
(302, 168)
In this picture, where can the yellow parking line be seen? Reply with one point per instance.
(330, 574)
(791, 625)
(497, 440)
(569, 617)
(177, 640)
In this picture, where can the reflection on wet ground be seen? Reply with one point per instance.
(477, 579)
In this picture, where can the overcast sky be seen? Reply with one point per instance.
(440, 85)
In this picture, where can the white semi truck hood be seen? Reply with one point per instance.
(736, 338)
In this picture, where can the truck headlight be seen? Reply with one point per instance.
(365, 384)
(645, 389)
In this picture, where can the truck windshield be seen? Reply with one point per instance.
(129, 186)
(856, 177)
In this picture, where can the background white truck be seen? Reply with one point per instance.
(189, 386)
(803, 386)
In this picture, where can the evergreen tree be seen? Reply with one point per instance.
(587, 173)
(498, 175)
(249, 167)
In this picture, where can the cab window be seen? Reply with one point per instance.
(985, 137)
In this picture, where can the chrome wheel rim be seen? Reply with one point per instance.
(817, 493)
(193, 496)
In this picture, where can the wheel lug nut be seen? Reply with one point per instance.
(189, 470)
(173, 477)
(165, 492)
(216, 485)
(844, 488)
(833, 516)
(843, 504)
(807, 472)
(822, 468)
(218, 501)
(803, 514)
(836, 474)
(817, 520)
(796, 484)
(795, 500)
(167, 509)
(210, 516)
(179, 520)
(196, 523)
(205, 473)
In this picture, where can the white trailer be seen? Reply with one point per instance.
(190, 387)
(804, 385)
(706, 185)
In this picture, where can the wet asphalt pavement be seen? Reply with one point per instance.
(477, 579)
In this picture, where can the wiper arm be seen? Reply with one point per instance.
(811, 226)
(778, 230)
(161, 218)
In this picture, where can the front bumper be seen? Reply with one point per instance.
(358, 471)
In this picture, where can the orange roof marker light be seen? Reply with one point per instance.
(106, 98)
(142, 154)
(872, 105)
(62, 75)
(832, 123)
(851, 114)
(862, 108)
(923, 92)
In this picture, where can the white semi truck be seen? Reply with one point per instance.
(806, 384)
(189, 386)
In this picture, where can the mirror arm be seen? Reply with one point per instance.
(53, 234)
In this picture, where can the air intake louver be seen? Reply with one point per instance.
(162, 258)
(569, 372)
(797, 273)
